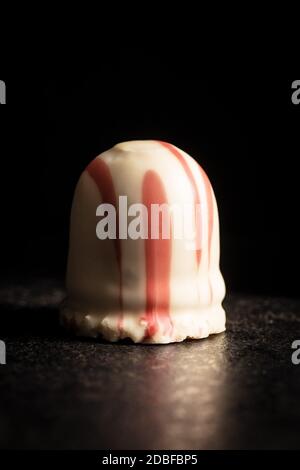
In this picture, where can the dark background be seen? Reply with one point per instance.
(244, 131)
(235, 390)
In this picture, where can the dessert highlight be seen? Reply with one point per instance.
(144, 248)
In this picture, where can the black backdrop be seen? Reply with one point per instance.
(244, 131)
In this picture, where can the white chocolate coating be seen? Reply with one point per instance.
(111, 291)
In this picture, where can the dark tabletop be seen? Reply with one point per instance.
(235, 390)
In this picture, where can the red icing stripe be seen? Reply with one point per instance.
(210, 207)
(100, 172)
(193, 182)
(209, 199)
(158, 262)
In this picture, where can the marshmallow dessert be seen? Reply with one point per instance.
(144, 248)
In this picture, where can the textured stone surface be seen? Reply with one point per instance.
(235, 390)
